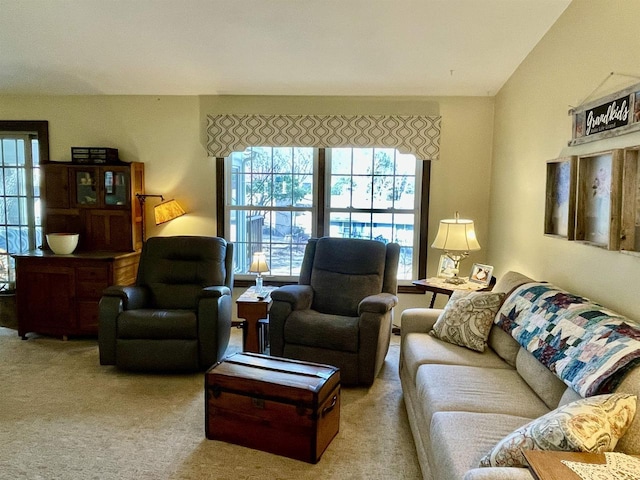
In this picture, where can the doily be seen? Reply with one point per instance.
(618, 467)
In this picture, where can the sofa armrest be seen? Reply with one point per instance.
(379, 303)
(419, 320)
(214, 292)
(132, 297)
(299, 297)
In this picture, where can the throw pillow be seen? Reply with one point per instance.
(592, 424)
(467, 319)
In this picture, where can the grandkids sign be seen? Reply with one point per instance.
(609, 116)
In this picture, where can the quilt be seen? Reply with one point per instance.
(587, 346)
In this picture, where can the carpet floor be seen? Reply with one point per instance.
(63, 416)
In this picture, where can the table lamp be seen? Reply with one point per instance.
(457, 237)
(259, 265)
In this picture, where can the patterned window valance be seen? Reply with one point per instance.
(418, 135)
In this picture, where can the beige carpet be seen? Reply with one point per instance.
(63, 416)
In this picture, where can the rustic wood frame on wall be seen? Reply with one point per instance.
(560, 204)
(630, 223)
(610, 116)
(599, 199)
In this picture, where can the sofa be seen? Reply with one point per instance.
(466, 404)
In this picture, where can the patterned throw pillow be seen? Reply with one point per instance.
(592, 424)
(467, 319)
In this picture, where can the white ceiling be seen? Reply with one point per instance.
(267, 47)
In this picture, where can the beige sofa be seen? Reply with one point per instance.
(461, 403)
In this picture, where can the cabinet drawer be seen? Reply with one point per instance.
(90, 290)
(88, 316)
(92, 274)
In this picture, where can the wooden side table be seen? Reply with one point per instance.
(254, 309)
(439, 286)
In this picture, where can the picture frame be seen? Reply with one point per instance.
(599, 199)
(560, 202)
(630, 221)
(481, 273)
(445, 267)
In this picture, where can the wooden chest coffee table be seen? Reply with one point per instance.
(277, 405)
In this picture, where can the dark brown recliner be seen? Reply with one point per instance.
(340, 313)
(177, 317)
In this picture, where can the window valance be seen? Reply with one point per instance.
(417, 135)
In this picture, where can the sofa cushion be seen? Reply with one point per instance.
(548, 387)
(421, 348)
(510, 281)
(473, 389)
(504, 345)
(146, 323)
(460, 439)
(591, 424)
(467, 319)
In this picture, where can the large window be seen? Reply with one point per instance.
(372, 195)
(270, 206)
(277, 198)
(20, 222)
(24, 146)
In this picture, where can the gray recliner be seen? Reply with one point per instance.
(340, 313)
(177, 316)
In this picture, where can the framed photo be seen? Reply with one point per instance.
(446, 267)
(481, 273)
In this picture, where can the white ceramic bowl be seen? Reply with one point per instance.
(62, 243)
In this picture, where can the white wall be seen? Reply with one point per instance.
(591, 39)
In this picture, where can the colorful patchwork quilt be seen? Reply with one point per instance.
(587, 346)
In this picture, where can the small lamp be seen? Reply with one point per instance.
(457, 237)
(259, 265)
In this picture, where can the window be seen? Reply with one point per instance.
(372, 195)
(276, 198)
(20, 221)
(270, 206)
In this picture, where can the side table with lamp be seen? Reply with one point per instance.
(457, 237)
(253, 307)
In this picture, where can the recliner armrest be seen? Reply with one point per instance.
(379, 303)
(132, 297)
(299, 296)
(214, 292)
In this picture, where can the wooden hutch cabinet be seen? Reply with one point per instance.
(59, 294)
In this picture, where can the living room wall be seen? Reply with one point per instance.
(168, 134)
(590, 40)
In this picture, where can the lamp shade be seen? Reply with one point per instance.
(167, 211)
(259, 263)
(456, 235)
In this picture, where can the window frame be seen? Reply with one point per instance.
(40, 130)
(320, 183)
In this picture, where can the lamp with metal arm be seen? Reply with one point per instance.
(164, 212)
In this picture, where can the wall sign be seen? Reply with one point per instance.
(613, 115)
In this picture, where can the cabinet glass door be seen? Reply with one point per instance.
(86, 193)
(116, 188)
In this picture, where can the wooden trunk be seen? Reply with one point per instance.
(277, 405)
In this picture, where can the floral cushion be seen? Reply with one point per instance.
(593, 424)
(467, 319)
